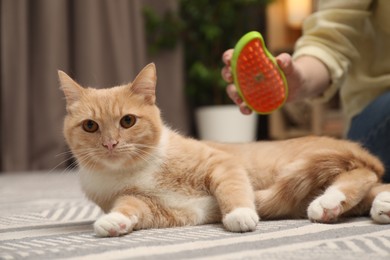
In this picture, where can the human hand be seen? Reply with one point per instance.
(294, 77)
(231, 90)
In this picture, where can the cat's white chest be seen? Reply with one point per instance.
(102, 187)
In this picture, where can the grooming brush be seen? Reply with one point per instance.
(258, 78)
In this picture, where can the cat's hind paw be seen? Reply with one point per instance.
(380, 209)
(114, 224)
(327, 207)
(241, 220)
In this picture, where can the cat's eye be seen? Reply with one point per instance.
(90, 126)
(128, 121)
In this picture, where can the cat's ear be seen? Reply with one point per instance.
(145, 83)
(71, 89)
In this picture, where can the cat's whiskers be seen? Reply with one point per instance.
(136, 150)
(61, 163)
(69, 152)
(86, 150)
(86, 161)
(85, 156)
(70, 157)
(74, 164)
(143, 155)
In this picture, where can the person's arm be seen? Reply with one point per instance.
(332, 35)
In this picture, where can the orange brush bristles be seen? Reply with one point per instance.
(260, 81)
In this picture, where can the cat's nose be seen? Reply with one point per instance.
(110, 145)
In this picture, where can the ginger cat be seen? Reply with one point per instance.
(144, 175)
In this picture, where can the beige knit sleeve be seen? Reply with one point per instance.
(332, 34)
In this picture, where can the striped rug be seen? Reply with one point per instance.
(45, 216)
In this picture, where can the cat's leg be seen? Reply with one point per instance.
(327, 207)
(377, 202)
(114, 224)
(126, 213)
(345, 192)
(380, 210)
(234, 193)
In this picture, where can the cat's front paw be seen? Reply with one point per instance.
(241, 220)
(114, 224)
(327, 207)
(380, 209)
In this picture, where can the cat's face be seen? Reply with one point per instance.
(113, 128)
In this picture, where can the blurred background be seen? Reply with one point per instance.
(103, 43)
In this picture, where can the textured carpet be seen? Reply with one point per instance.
(45, 216)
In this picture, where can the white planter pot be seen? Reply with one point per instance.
(225, 124)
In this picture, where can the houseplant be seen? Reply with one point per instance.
(206, 28)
